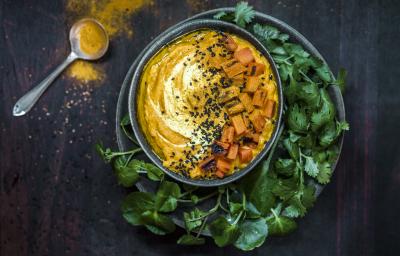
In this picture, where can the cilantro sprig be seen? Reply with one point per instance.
(268, 200)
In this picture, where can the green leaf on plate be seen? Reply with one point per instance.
(252, 234)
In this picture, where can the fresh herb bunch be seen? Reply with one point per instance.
(280, 189)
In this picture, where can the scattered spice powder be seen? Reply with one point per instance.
(114, 15)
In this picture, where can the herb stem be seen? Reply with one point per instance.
(202, 227)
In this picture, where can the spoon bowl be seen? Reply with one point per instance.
(75, 40)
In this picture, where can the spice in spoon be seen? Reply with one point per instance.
(91, 38)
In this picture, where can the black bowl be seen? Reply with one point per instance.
(153, 50)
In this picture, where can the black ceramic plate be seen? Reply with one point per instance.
(122, 105)
(165, 39)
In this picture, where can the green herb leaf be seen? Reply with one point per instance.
(292, 148)
(280, 225)
(193, 219)
(326, 112)
(285, 167)
(167, 196)
(244, 14)
(311, 167)
(188, 239)
(297, 119)
(127, 174)
(341, 80)
(325, 173)
(158, 223)
(223, 232)
(135, 204)
(153, 172)
(253, 234)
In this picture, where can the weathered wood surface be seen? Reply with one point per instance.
(58, 198)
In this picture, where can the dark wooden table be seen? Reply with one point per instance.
(58, 198)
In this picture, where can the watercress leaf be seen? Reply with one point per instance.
(281, 225)
(135, 204)
(157, 223)
(223, 232)
(285, 167)
(297, 119)
(193, 219)
(253, 234)
(311, 167)
(194, 199)
(325, 173)
(235, 208)
(126, 175)
(251, 211)
(153, 172)
(257, 183)
(167, 195)
(244, 14)
(188, 239)
(125, 120)
(292, 148)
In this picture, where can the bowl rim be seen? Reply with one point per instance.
(152, 50)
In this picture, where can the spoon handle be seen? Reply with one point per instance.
(26, 102)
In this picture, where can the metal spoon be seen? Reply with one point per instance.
(26, 102)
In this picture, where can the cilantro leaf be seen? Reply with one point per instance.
(297, 119)
(285, 167)
(341, 80)
(244, 14)
(325, 113)
(325, 173)
(311, 167)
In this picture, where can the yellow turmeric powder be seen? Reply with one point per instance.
(92, 38)
(114, 15)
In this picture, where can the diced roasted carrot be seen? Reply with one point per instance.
(246, 101)
(257, 120)
(246, 120)
(229, 93)
(245, 154)
(245, 56)
(219, 174)
(252, 145)
(228, 134)
(238, 80)
(269, 108)
(205, 164)
(252, 84)
(255, 137)
(216, 61)
(224, 145)
(232, 153)
(233, 68)
(230, 44)
(238, 124)
(223, 165)
(259, 97)
(255, 69)
(238, 108)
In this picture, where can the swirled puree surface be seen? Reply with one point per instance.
(206, 104)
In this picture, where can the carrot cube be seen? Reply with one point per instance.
(269, 109)
(227, 134)
(245, 154)
(228, 93)
(233, 68)
(255, 69)
(219, 174)
(232, 153)
(246, 101)
(203, 164)
(238, 108)
(223, 166)
(252, 84)
(259, 97)
(245, 56)
(223, 144)
(230, 44)
(238, 124)
(257, 120)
